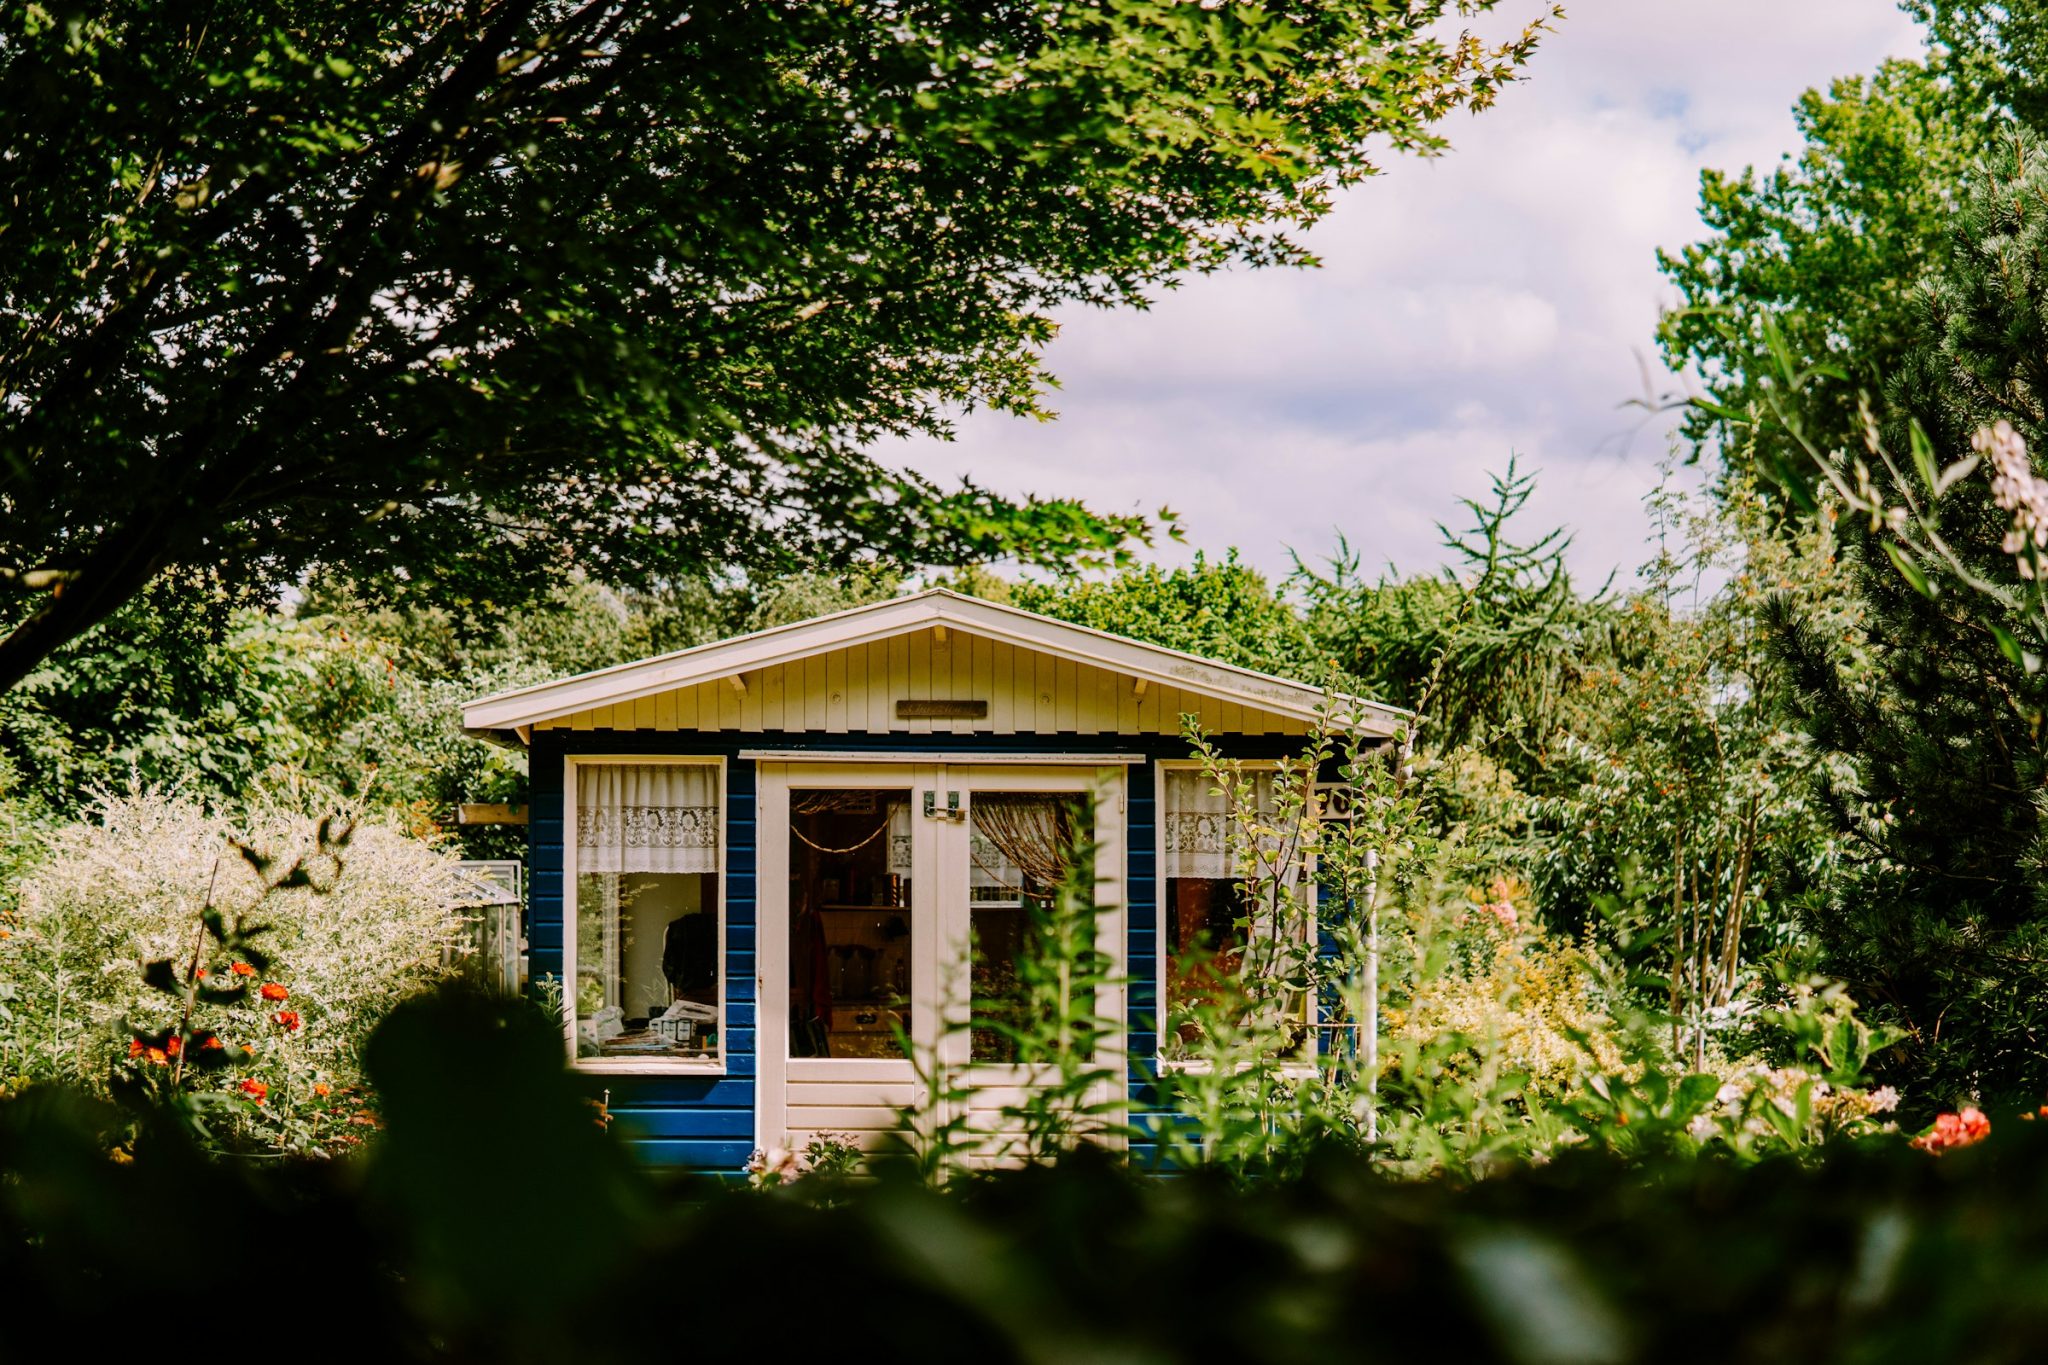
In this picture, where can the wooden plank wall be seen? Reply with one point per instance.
(855, 690)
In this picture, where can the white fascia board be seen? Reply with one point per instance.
(702, 663)
(878, 621)
(1157, 663)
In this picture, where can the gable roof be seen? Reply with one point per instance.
(516, 710)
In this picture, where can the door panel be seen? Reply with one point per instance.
(898, 894)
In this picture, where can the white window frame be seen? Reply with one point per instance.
(1159, 947)
(644, 1066)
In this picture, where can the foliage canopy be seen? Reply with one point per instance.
(439, 291)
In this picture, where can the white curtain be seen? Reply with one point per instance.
(1198, 825)
(899, 835)
(647, 817)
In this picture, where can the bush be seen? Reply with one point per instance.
(127, 888)
(496, 1221)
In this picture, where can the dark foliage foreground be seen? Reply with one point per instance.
(495, 1220)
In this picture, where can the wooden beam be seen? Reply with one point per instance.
(739, 683)
(1138, 687)
(489, 813)
(939, 633)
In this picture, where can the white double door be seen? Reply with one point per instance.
(891, 896)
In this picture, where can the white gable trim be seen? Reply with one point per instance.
(732, 659)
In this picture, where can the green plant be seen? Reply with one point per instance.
(120, 918)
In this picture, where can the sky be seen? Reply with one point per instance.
(1499, 300)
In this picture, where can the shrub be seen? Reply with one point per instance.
(497, 1222)
(329, 957)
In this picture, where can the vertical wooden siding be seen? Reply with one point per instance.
(856, 689)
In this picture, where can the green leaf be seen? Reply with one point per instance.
(1908, 570)
(1961, 469)
(162, 976)
(2009, 646)
(1923, 457)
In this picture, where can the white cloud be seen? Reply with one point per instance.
(1499, 299)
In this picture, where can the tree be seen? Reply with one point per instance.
(1489, 647)
(1220, 609)
(1815, 262)
(446, 291)
(1933, 708)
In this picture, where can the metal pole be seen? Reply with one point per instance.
(1370, 1043)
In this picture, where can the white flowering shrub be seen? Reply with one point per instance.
(326, 960)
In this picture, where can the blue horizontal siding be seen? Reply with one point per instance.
(709, 1156)
(684, 1122)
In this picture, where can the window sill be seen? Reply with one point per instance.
(649, 1066)
(1293, 1071)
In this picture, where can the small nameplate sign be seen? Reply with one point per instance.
(942, 710)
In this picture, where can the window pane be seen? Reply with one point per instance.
(1218, 928)
(850, 926)
(648, 947)
(1020, 847)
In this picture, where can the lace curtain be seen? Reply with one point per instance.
(647, 817)
(1198, 825)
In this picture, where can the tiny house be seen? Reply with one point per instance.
(757, 864)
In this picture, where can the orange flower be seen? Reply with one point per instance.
(201, 973)
(134, 1047)
(211, 1043)
(322, 1089)
(288, 1020)
(242, 969)
(173, 1045)
(156, 1055)
(255, 1089)
(272, 991)
(1954, 1130)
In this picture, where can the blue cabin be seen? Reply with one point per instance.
(754, 864)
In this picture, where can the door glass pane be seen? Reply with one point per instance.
(1020, 849)
(850, 926)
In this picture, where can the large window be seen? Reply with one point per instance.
(648, 942)
(1232, 928)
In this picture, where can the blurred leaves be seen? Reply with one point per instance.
(496, 1220)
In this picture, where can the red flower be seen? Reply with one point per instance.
(272, 991)
(288, 1020)
(211, 1043)
(172, 1045)
(242, 969)
(134, 1047)
(1955, 1130)
(255, 1089)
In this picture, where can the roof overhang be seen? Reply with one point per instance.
(506, 714)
